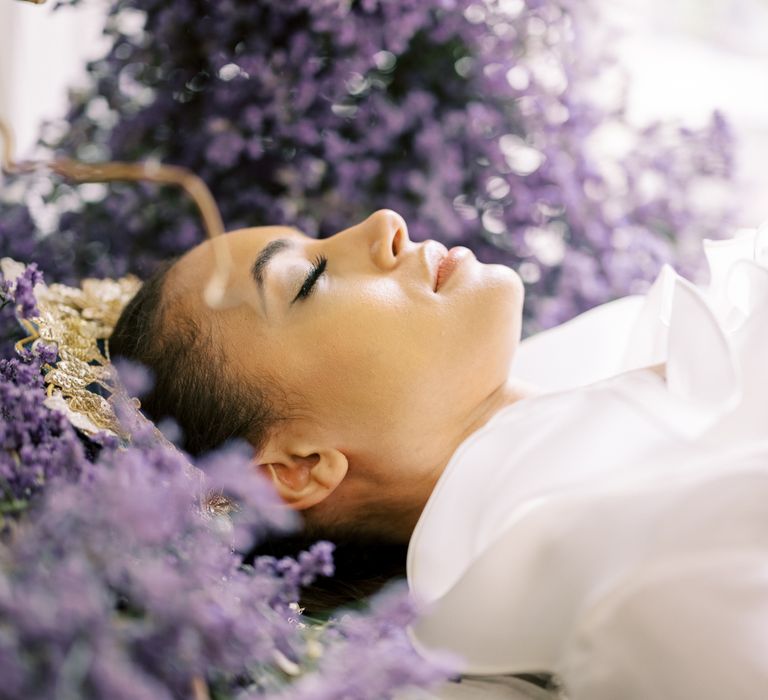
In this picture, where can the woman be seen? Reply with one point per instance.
(357, 363)
(559, 516)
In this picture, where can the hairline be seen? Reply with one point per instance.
(207, 341)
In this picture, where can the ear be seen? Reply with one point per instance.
(304, 475)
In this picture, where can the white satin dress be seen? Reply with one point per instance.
(613, 530)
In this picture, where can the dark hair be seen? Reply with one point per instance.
(361, 568)
(192, 386)
(191, 381)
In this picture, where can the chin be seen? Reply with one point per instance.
(517, 281)
(508, 311)
(492, 324)
(506, 288)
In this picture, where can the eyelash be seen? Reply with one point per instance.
(318, 267)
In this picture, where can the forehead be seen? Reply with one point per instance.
(194, 268)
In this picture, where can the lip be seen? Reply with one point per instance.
(450, 261)
(432, 253)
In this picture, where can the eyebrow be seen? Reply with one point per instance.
(259, 267)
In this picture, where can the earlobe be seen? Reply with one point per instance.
(304, 481)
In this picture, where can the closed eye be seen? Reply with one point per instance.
(318, 267)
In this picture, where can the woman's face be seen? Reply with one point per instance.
(384, 348)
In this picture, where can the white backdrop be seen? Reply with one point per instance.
(685, 58)
(41, 53)
(688, 57)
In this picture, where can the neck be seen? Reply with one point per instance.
(505, 395)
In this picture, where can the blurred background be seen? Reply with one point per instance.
(584, 143)
(42, 54)
(684, 58)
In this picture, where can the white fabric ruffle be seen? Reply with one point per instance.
(613, 530)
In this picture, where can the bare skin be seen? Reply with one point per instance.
(389, 373)
(391, 363)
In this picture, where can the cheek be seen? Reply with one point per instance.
(341, 330)
(374, 335)
(479, 334)
(376, 343)
(370, 344)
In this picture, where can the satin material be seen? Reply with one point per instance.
(614, 530)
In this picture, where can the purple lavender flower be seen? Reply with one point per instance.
(20, 291)
(344, 669)
(136, 379)
(231, 471)
(37, 444)
(117, 586)
(293, 574)
(139, 577)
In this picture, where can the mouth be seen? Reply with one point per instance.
(449, 262)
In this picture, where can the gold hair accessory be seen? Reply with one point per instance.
(78, 321)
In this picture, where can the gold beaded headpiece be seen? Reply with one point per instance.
(78, 321)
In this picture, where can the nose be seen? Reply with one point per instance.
(388, 234)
